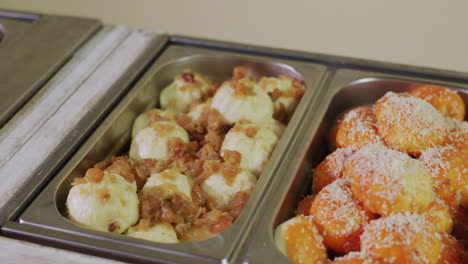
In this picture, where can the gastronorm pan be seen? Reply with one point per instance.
(45, 218)
(346, 90)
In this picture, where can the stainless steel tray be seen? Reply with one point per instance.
(45, 219)
(347, 89)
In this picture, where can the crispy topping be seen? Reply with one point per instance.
(251, 131)
(94, 175)
(243, 89)
(113, 227)
(188, 77)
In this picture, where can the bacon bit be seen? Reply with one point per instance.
(207, 152)
(213, 120)
(188, 77)
(223, 223)
(239, 73)
(238, 203)
(196, 167)
(282, 115)
(123, 167)
(275, 94)
(305, 204)
(198, 196)
(251, 131)
(243, 89)
(168, 215)
(154, 115)
(103, 194)
(232, 157)
(229, 173)
(145, 167)
(113, 227)
(162, 129)
(176, 148)
(102, 165)
(192, 146)
(78, 181)
(94, 175)
(214, 139)
(211, 167)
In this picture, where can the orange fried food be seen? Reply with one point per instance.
(445, 100)
(331, 168)
(299, 239)
(357, 129)
(452, 251)
(402, 238)
(448, 167)
(458, 134)
(305, 204)
(339, 217)
(438, 214)
(409, 124)
(355, 257)
(388, 181)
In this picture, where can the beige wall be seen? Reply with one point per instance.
(424, 33)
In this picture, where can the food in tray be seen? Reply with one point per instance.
(184, 90)
(395, 187)
(103, 201)
(192, 165)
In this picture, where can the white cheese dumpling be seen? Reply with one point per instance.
(285, 92)
(254, 142)
(161, 232)
(243, 100)
(152, 142)
(103, 201)
(172, 181)
(184, 90)
(300, 241)
(225, 182)
(150, 116)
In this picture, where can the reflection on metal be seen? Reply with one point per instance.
(20, 16)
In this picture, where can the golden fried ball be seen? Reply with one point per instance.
(445, 100)
(409, 124)
(438, 214)
(339, 217)
(299, 239)
(357, 129)
(458, 134)
(402, 238)
(452, 251)
(331, 168)
(388, 181)
(448, 167)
